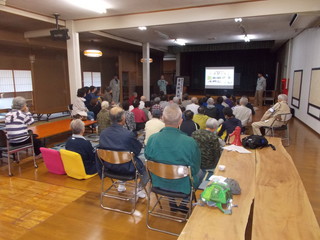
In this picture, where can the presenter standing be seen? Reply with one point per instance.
(162, 84)
(261, 87)
(115, 87)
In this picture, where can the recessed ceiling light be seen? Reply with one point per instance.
(212, 38)
(142, 28)
(98, 6)
(180, 41)
(238, 19)
(246, 38)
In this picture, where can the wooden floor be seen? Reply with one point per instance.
(35, 204)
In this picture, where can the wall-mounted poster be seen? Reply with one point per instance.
(296, 90)
(314, 94)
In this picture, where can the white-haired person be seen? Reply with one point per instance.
(77, 143)
(171, 146)
(271, 114)
(209, 143)
(17, 122)
(103, 118)
(193, 106)
(243, 113)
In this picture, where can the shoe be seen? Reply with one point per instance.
(121, 187)
(141, 194)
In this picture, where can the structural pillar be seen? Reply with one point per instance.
(74, 64)
(146, 70)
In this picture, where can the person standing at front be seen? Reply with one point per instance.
(261, 87)
(162, 84)
(115, 88)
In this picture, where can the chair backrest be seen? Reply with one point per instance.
(284, 118)
(52, 160)
(168, 171)
(115, 157)
(73, 164)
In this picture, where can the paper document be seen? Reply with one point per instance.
(235, 148)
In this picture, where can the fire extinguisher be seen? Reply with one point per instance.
(284, 88)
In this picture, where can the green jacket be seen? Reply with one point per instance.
(209, 146)
(171, 146)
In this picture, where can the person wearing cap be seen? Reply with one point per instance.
(228, 126)
(154, 125)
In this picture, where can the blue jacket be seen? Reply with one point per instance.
(84, 148)
(118, 138)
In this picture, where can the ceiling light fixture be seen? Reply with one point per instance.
(98, 6)
(180, 41)
(246, 38)
(238, 19)
(142, 28)
(92, 53)
(143, 60)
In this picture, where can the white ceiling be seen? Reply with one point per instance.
(259, 28)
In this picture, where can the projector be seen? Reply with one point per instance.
(59, 34)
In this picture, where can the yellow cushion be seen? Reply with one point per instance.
(73, 165)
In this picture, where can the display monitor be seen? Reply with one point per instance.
(219, 77)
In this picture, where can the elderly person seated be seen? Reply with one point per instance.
(188, 126)
(139, 116)
(210, 109)
(156, 105)
(143, 99)
(79, 108)
(77, 143)
(243, 113)
(16, 123)
(103, 118)
(209, 144)
(193, 106)
(154, 125)
(201, 118)
(117, 138)
(271, 114)
(171, 146)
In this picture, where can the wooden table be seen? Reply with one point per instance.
(53, 128)
(281, 208)
(211, 223)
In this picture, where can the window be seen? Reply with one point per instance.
(15, 81)
(92, 79)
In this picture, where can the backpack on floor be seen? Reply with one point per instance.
(256, 141)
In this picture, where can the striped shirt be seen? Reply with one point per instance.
(17, 125)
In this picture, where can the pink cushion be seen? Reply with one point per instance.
(52, 160)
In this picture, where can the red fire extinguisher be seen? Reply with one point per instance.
(284, 88)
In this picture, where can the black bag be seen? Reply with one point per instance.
(256, 141)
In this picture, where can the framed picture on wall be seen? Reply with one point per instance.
(314, 94)
(296, 90)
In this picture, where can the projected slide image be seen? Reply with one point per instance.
(219, 77)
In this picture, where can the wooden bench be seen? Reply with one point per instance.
(281, 208)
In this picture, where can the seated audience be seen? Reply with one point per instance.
(89, 95)
(146, 109)
(271, 114)
(156, 105)
(154, 125)
(171, 146)
(143, 99)
(129, 124)
(186, 100)
(188, 126)
(133, 97)
(77, 143)
(220, 108)
(193, 106)
(224, 101)
(108, 95)
(243, 113)
(95, 107)
(103, 117)
(78, 106)
(16, 124)
(139, 116)
(176, 100)
(249, 105)
(210, 109)
(228, 100)
(164, 101)
(228, 126)
(117, 138)
(209, 144)
(200, 118)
